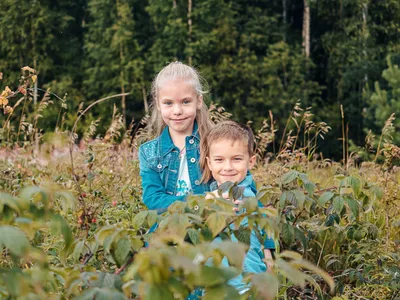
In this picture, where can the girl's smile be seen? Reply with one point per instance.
(178, 104)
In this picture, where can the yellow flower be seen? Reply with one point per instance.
(3, 100)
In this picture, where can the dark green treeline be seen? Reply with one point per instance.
(256, 55)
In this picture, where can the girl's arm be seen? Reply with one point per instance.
(155, 196)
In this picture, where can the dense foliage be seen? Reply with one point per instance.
(72, 224)
(253, 54)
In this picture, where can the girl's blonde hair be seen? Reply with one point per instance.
(173, 71)
(226, 130)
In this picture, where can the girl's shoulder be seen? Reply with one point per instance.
(149, 148)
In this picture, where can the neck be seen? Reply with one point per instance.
(179, 139)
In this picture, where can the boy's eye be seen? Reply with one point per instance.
(237, 159)
(217, 159)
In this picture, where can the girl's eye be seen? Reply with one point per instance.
(187, 101)
(167, 103)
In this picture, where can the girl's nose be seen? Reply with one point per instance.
(178, 109)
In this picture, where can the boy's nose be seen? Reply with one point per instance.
(228, 165)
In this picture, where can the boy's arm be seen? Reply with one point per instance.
(269, 260)
(154, 196)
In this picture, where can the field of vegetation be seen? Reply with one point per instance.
(72, 224)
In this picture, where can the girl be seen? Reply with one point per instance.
(169, 164)
(227, 154)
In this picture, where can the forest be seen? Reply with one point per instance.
(257, 57)
(318, 82)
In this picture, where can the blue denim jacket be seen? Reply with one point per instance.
(159, 167)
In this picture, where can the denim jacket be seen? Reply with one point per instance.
(159, 167)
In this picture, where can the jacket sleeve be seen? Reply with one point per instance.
(154, 195)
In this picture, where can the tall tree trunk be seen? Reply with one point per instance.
(190, 28)
(174, 4)
(122, 78)
(284, 17)
(306, 28)
(146, 105)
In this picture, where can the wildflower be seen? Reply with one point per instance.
(8, 110)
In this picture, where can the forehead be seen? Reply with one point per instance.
(229, 146)
(176, 87)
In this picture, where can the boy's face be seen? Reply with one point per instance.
(229, 161)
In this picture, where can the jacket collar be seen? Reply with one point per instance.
(166, 143)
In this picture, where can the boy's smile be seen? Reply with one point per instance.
(229, 160)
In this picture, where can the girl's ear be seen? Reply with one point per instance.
(208, 162)
(158, 105)
(200, 102)
(252, 161)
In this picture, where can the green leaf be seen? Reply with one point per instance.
(299, 234)
(157, 292)
(377, 192)
(139, 219)
(76, 254)
(59, 225)
(35, 194)
(222, 292)
(14, 240)
(121, 251)
(151, 218)
(225, 187)
(243, 234)
(101, 294)
(216, 222)
(66, 199)
(266, 285)
(289, 176)
(355, 184)
(310, 188)
(291, 272)
(234, 252)
(282, 199)
(288, 233)
(213, 276)
(338, 204)
(250, 204)
(325, 197)
(300, 198)
(10, 201)
(194, 235)
(354, 206)
(307, 265)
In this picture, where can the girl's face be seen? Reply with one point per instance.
(178, 103)
(229, 161)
